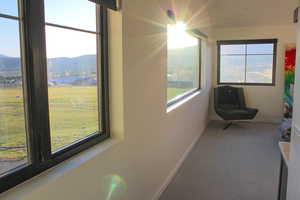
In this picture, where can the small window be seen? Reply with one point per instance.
(247, 62)
(184, 58)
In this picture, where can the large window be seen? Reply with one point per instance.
(53, 84)
(184, 58)
(72, 71)
(247, 62)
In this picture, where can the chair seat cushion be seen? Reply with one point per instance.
(245, 111)
(237, 113)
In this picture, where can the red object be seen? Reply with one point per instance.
(290, 60)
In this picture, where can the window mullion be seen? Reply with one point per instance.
(246, 57)
(104, 70)
(200, 64)
(36, 80)
(99, 68)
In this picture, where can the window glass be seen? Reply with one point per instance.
(183, 62)
(72, 71)
(247, 63)
(9, 7)
(232, 69)
(13, 145)
(259, 69)
(79, 14)
(233, 49)
(72, 83)
(260, 49)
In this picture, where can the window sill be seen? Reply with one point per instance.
(248, 84)
(59, 170)
(183, 100)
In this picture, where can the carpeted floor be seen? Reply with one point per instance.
(240, 163)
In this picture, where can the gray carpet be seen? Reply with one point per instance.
(241, 163)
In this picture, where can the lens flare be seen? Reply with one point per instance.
(178, 36)
(114, 187)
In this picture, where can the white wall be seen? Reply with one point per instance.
(293, 192)
(268, 99)
(148, 141)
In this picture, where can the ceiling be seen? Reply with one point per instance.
(240, 13)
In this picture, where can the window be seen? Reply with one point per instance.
(184, 58)
(247, 62)
(53, 84)
(13, 144)
(72, 71)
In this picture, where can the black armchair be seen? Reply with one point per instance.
(230, 104)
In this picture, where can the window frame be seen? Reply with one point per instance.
(198, 35)
(246, 42)
(34, 67)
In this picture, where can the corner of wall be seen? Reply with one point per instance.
(116, 74)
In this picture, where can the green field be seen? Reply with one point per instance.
(12, 124)
(173, 92)
(73, 116)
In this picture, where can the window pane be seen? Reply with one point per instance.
(78, 14)
(260, 49)
(72, 81)
(9, 7)
(233, 49)
(232, 69)
(259, 69)
(13, 148)
(183, 63)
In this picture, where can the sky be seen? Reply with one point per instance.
(60, 42)
(80, 14)
(251, 49)
(179, 38)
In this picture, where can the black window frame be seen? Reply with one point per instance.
(246, 42)
(199, 36)
(34, 66)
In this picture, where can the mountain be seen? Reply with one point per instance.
(62, 71)
(9, 64)
(182, 58)
(81, 64)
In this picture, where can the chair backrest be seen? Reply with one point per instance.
(229, 97)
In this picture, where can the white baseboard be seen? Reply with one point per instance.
(275, 120)
(174, 171)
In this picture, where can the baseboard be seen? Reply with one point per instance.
(275, 120)
(174, 171)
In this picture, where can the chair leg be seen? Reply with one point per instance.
(227, 125)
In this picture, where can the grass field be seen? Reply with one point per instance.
(73, 116)
(12, 124)
(173, 92)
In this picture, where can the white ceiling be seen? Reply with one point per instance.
(240, 13)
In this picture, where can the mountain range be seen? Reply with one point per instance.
(80, 64)
(71, 70)
(87, 63)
